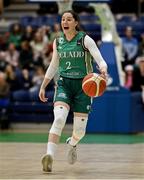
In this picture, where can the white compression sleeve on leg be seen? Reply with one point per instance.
(79, 129)
(60, 116)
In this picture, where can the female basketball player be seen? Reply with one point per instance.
(72, 58)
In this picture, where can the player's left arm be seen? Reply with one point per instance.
(94, 51)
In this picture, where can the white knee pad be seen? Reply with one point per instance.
(60, 116)
(79, 127)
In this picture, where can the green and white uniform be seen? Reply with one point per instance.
(74, 63)
(73, 60)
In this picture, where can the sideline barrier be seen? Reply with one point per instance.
(118, 110)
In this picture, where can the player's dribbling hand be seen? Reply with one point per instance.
(104, 73)
(42, 95)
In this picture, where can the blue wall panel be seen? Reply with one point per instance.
(110, 113)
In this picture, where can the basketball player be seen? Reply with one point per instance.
(72, 53)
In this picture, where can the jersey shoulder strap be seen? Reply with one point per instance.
(81, 40)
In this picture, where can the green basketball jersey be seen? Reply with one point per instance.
(75, 59)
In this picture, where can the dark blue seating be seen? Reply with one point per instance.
(26, 20)
(27, 107)
(89, 23)
(141, 18)
(91, 27)
(31, 112)
(137, 26)
(125, 18)
(89, 18)
(21, 96)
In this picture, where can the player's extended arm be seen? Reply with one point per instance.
(49, 73)
(94, 51)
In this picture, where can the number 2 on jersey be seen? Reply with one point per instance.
(68, 65)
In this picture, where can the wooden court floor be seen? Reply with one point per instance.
(95, 161)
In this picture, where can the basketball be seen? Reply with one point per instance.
(93, 85)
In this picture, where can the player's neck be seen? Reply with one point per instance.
(71, 35)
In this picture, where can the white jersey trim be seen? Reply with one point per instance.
(94, 51)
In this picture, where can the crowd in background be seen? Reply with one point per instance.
(25, 54)
(133, 64)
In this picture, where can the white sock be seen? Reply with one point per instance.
(51, 148)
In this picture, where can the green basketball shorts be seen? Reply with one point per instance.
(70, 91)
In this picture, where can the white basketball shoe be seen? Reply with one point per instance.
(47, 161)
(72, 152)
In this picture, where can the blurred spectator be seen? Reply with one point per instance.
(11, 56)
(47, 52)
(4, 86)
(26, 56)
(25, 80)
(4, 102)
(37, 78)
(47, 31)
(15, 35)
(3, 41)
(11, 78)
(138, 75)
(28, 34)
(38, 48)
(130, 47)
(129, 76)
(47, 56)
(141, 45)
(3, 63)
(56, 32)
(44, 31)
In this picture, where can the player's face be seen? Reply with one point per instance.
(68, 23)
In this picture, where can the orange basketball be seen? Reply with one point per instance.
(94, 85)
